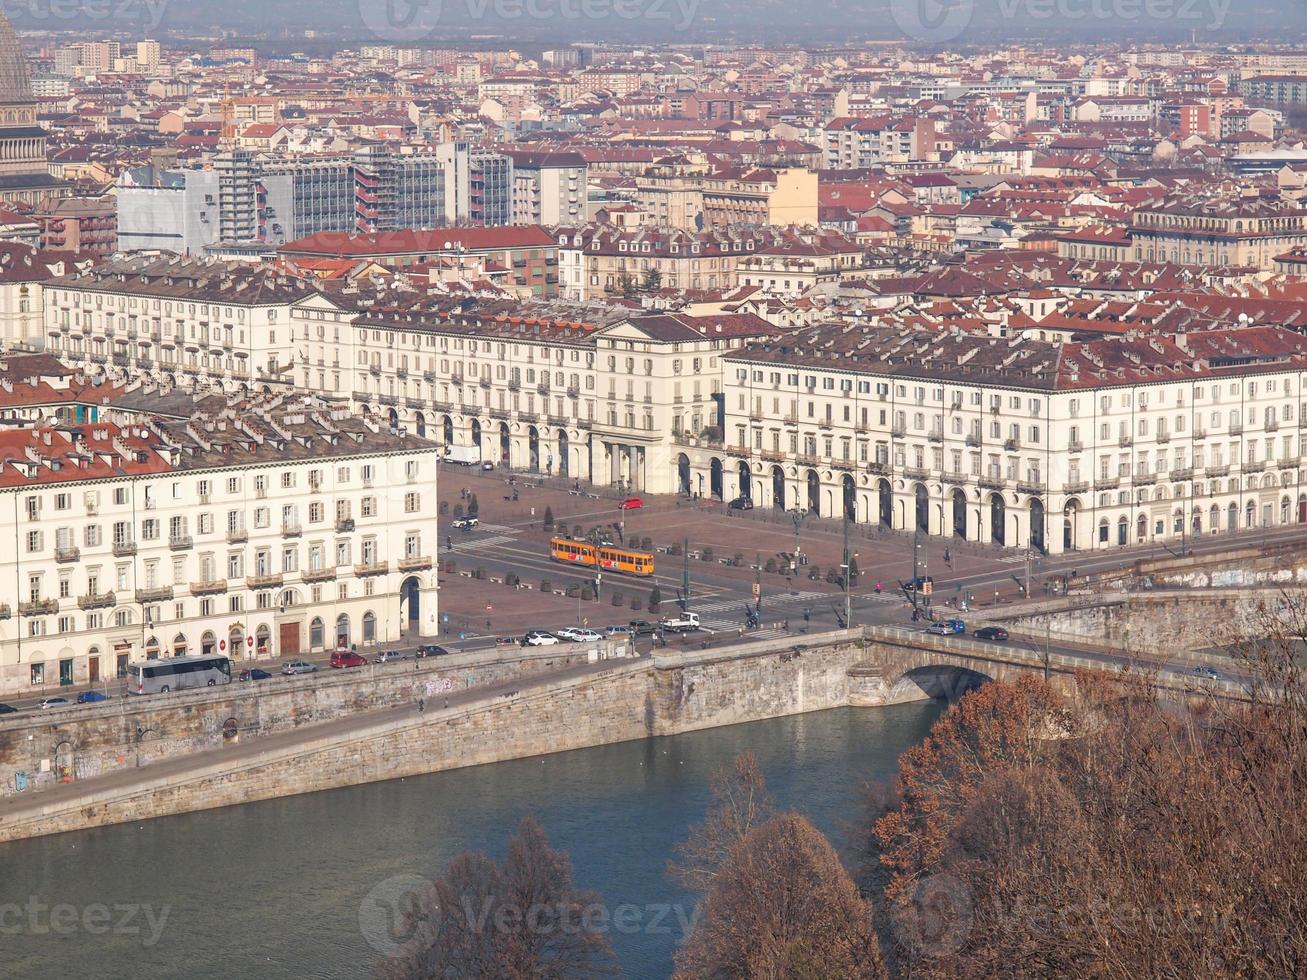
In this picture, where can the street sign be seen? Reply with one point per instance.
(757, 589)
(928, 588)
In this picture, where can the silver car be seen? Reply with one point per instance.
(299, 667)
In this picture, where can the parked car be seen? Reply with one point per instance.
(298, 667)
(466, 523)
(586, 636)
(253, 674)
(640, 627)
(539, 638)
(91, 697)
(487, 465)
(431, 650)
(991, 633)
(347, 658)
(8, 709)
(939, 629)
(920, 583)
(631, 503)
(388, 657)
(741, 503)
(569, 633)
(54, 702)
(1208, 673)
(955, 625)
(617, 630)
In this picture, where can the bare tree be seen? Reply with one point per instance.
(781, 905)
(521, 920)
(739, 802)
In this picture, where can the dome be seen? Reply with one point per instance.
(15, 83)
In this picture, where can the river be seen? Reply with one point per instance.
(292, 888)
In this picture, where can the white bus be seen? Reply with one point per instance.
(178, 674)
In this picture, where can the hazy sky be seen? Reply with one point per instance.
(951, 23)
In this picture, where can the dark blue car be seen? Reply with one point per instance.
(90, 697)
(254, 674)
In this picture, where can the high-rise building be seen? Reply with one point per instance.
(148, 54)
(24, 174)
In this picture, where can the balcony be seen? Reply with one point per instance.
(542, 391)
(877, 468)
(6, 612)
(972, 440)
(121, 549)
(1011, 445)
(1075, 446)
(1251, 466)
(38, 607)
(1107, 483)
(371, 568)
(160, 594)
(263, 581)
(1200, 432)
(1236, 428)
(843, 464)
(415, 563)
(1125, 441)
(956, 479)
(528, 416)
(344, 525)
(558, 421)
(1031, 485)
(1272, 425)
(772, 455)
(1288, 462)
(1217, 470)
(935, 436)
(993, 482)
(1163, 437)
(1075, 486)
(803, 459)
(291, 529)
(915, 472)
(1145, 479)
(898, 431)
(1183, 473)
(484, 382)
(215, 586)
(499, 413)
(319, 574)
(573, 392)
(514, 385)
(65, 555)
(181, 542)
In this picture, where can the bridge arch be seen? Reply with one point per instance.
(939, 682)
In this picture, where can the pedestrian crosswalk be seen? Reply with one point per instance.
(471, 544)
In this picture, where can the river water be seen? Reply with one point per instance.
(296, 888)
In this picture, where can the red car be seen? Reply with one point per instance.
(344, 658)
(631, 503)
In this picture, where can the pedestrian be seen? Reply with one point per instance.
(422, 705)
(879, 587)
(446, 702)
(449, 542)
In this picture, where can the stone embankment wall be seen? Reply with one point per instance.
(621, 700)
(40, 749)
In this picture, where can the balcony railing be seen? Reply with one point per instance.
(1254, 466)
(1030, 485)
(122, 549)
(1217, 470)
(1164, 437)
(181, 542)
(915, 472)
(371, 568)
(1182, 473)
(1011, 445)
(160, 594)
(1145, 479)
(38, 607)
(1075, 446)
(263, 581)
(1272, 425)
(935, 436)
(415, 563)
(1125, 441)
(237, 534)
(63, 555)
(291, 529)
(344, 525)
(1236, 428)
(1288, 462)
(97, 600)
(992, 482)
(1075, 486)
(1107, 483)
(211, 587)
(319, 574)
(972, 440)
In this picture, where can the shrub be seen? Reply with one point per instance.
(549, 518)
(450, 566)
(675, 549)
(814, 573)
(706, 554)
(573, 591)
(473, 508)
(546, 586)
(655, 599)
(635, 602)
(832, 576)
(512, 580)
(853, 570)
(617, 598)
(770, 565)
(481, 573)
(458, 510)
(738, 560)
(646, 543)
(444, 507)
(577, 532)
